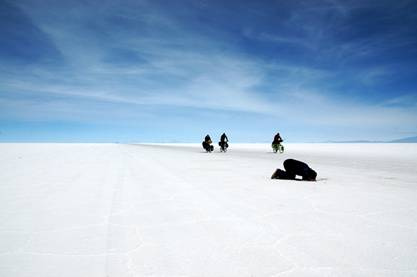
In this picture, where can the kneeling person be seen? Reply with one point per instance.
(294, 168)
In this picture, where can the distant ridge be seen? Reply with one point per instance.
(402, 140)
(355, 141)
(406, 140)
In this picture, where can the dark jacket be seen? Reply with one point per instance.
(294, 167)
(224, 138)
(277, 139)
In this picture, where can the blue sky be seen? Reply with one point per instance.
(173, 71)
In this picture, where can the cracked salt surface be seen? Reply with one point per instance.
(173, 210)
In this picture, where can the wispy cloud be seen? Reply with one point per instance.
(158, 59)
(405, 100)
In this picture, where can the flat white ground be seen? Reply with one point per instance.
(151, 210)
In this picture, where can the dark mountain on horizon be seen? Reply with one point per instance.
(405, 140)
(402, 140)
(353, 141)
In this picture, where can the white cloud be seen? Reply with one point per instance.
(186, 69)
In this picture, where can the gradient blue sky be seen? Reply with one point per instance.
(173, 71)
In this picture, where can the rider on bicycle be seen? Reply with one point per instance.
(207, 144)
(223, 142)
(276, 144)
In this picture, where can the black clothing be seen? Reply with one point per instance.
(207, 144)
(281, 174)
(277, 139)
(223, 145)
(293, 168)
(224, 138)
(223, 142)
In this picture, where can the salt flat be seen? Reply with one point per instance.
(173, 210)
